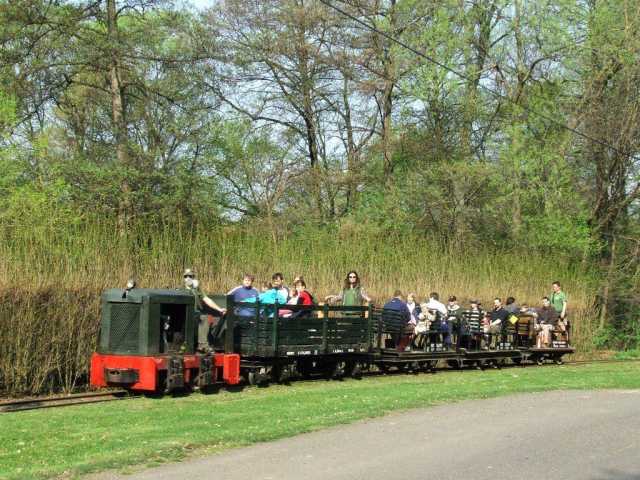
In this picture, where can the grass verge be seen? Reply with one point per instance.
(73, 441)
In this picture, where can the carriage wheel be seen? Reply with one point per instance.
(280, 374)
(352, 369)
(455, 364)
(305, 368)
(252, 378)
(383, 367)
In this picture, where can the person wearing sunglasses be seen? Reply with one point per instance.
(352, 294)
(202, 301)
(205, 309)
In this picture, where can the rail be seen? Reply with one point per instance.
(20, 405)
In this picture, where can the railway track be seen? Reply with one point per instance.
(51, 402)
(96, 397)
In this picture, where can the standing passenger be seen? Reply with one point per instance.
(203, 305)
(352, 294)
(558, 300)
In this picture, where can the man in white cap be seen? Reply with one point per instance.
(192, 284)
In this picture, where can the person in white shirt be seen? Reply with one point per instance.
(434, 303)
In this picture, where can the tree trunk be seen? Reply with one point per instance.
(351, 149)
(118, 116)
(606, 291)
(390, 79)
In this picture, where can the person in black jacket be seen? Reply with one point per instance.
(499, 319)
(394, 310)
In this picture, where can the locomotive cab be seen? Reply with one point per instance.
(148, 340)
(147, 322)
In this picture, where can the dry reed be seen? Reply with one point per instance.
(51, 279)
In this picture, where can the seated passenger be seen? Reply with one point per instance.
(547, 319)
(486, 325)
(471, 324)
(527, 310)
(511, 306)
(434, 303)
(245, 293)
(270, 296)
(454, 318)
(414, 309)
(499, 318)
(277, 281)
(303, 296)
(399, 307)
(300, 296)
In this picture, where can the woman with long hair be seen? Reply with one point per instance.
(352, 292)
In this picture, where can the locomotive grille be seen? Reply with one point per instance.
(125, 327)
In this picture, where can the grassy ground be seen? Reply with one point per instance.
(75, 440)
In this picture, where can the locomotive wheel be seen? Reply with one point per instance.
(558, 361)
(540, 361)
(517, 360)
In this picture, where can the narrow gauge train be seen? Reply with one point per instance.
(149, 343)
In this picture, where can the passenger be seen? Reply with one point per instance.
(414, 309)
(471, 324)
(434, 303)
(299, 296)
(277, 282)
(511, 306)
(202, 305)
(303, 296)
(202, 300)
(397, 305)
(245, 293)
(547, 320)
(527, 310)
(439, 310)
(486, 326)
(454, 316)
(499, 318)
(352, 292)
(558, 300)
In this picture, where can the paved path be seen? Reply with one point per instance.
(547, 436)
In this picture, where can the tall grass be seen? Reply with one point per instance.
(51, 278)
